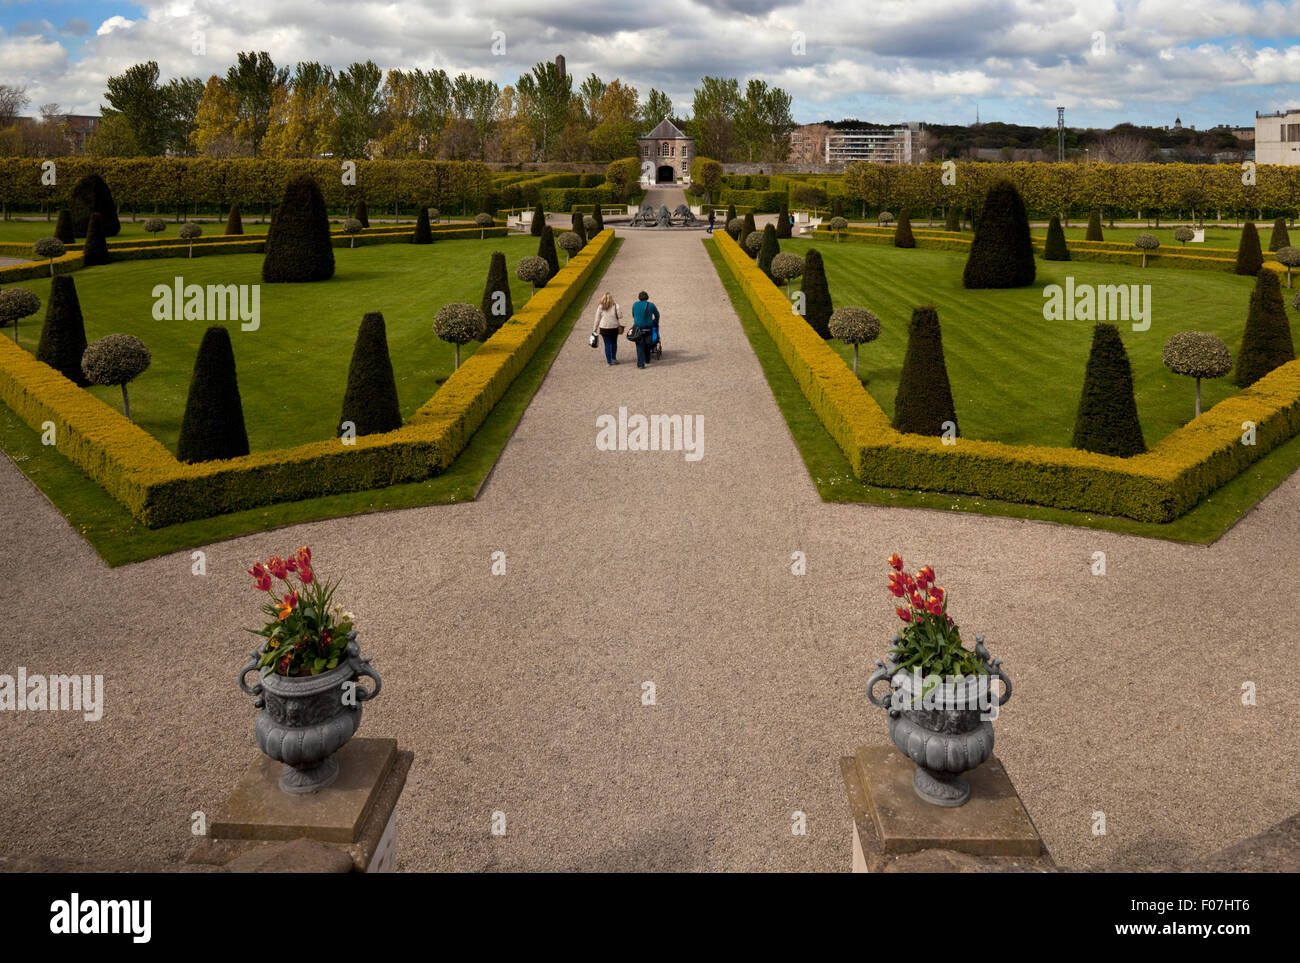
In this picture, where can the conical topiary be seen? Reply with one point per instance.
(770, 249)
(1249, 257)
(423, 233)
(370, 401)
(95, 250)
(63, 336)
(924, 400)
(1001, 254)
(951, 221)
(731, 213)
(361, 213)
(1280, 238)
(1107, 419)
(234, 223)
(749, 228)
(539, 220)
(1094, 227)
(298, 245)
(91, 195)
(903, 230)
(599, 219)
(497, 306)
(63, 228)
(579, 228)
(783, 222)
(546, 251)
(817, 306)
(213, 424)
(1055, 249)
(1266, 343)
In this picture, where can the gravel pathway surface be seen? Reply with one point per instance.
(525, 693)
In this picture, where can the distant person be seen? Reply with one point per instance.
(713, 219)
(609, 325)
(645, 322)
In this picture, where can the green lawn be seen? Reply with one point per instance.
(835, 481)
(293, 369)
(1227, 236)
(31, 231)
(120, 539)
(1016, 377)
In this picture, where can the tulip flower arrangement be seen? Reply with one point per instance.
(930, 642)
(305, 635)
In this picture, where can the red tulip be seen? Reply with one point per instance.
(305, 573)
(904, 614)
(909, 583)
(934, 607)
(896, 562)
(928, 572)
(936, 593)
(917, 601)
(277, 567)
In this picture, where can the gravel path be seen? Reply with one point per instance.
(524, 693)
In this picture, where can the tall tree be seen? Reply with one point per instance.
(216, 123)
(142, 104)
(360, 102)
(658, 106)
(253, 80)
(546, 94)
(181, 97)
(716, 103)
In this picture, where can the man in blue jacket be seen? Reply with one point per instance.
(646, 317)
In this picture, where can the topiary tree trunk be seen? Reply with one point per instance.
(63, 335)
(370, 401)
(924, 399)
(212, 427)
(1055, 249)
(497, 306)
(1107, 419)
(1266, 343)
(817, 306)
(1249, 256)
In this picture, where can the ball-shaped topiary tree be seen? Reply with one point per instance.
(1146, 243)
(16, 304)
(116, 359)
(212, 427)
(734, 226)
(484, 221)
(1107, 419)
(1197, 355)
(570, 243)
(352, 227)
(786, 266)
(298, 244)
(838, 226)
(1266, 343)
(1001, 253)
(50, 247)
(155, 225)
(370, 400)
(884, 218)
(460, 323)
(1288, 257)
(1183, 234)
(1249, 256)
(753, 243)
(189, 231)
(856, 326)
(95, 250)
(591, 226)
(534, 270)
(63, 335)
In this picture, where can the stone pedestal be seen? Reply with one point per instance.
(896, 831)
(351, 825)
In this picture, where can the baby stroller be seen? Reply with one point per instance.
(656, 347)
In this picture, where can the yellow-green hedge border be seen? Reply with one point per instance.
(1156, 486)
(148, 480)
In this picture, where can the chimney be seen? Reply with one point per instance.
(559, 62)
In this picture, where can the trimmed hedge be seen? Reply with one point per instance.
(1158, 486)
(760, 202)
(149, 482)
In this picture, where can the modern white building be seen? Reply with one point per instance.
(889, 145)
(1277, 137)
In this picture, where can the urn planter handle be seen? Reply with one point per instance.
(254, 657)
(361, 666)
(994, 667)
(884, 673)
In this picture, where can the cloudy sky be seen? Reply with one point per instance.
(1106, 61)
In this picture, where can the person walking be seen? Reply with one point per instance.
(713, 219)
(645, 318)
(609, 325)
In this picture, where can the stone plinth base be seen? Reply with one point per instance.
(895, 831)
(350, 825)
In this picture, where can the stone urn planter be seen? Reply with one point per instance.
(946, 728)
(306, 719)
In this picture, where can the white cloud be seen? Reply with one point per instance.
(111, 24)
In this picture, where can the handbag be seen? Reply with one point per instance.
(592, 340)
(635, 334)
(618, 317)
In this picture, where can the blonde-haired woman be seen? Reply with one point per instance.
(609, 325)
